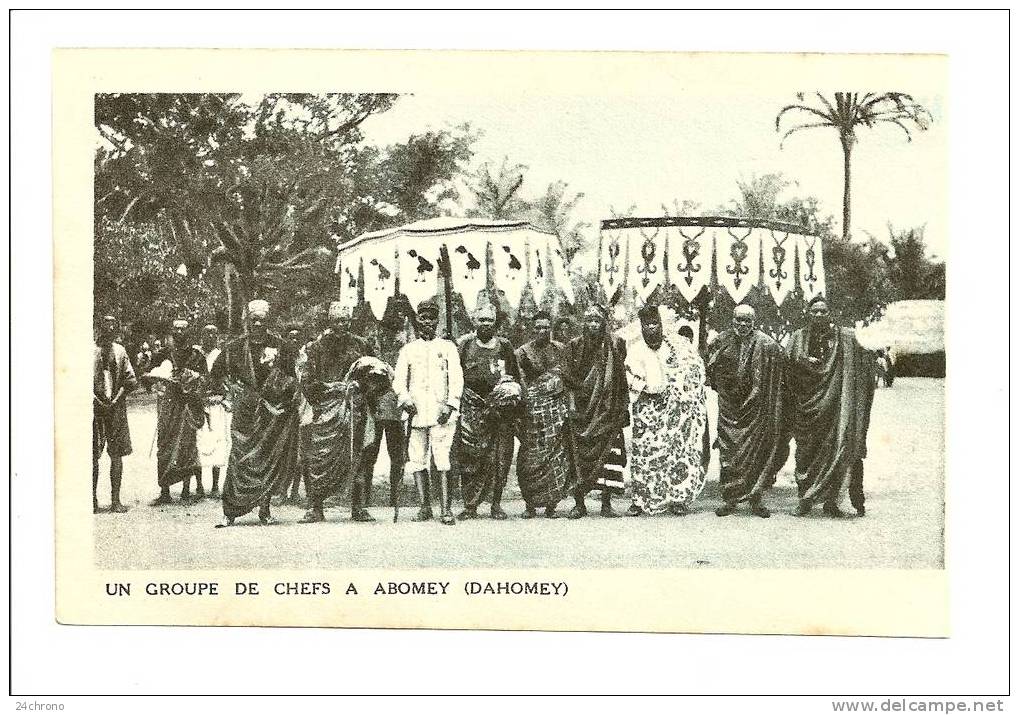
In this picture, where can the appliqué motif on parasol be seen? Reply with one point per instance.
(691, 251)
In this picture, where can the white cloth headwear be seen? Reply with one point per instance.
(338, 310)
(258, 308)
(180, 323)
(485, 310)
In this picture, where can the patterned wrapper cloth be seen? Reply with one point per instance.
(543, 463)
(483, 446)
(667, 454)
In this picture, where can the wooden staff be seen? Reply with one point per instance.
(447, 287)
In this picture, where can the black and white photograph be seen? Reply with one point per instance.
(356, 320)
(586, 365)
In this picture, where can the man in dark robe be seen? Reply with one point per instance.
(746, 369)
(387, 412)
(595, 375)
(112, 380)
(335, 443)
(483, 446)
(295, 340)
(830, 387)
(258, 368)
(181, 370)
(543, 463)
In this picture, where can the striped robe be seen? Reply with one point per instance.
(595, 374)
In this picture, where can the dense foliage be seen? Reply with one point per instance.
(205, 201)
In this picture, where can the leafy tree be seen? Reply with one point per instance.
(253, 187)
(846, 114)
(141, 279)
(913, 274)
(416, 177)
(497, 192)
(759, 196)
(553, 211)
(686, 207)
(262, 191)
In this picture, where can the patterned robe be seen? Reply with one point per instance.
(829, 408)
(544, 461)
(483, 446)
(667, 459)
(747, 374)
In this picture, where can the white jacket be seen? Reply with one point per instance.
(428, 376)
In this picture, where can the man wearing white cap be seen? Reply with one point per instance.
(428, 384)
(180, 413)
(258, 368)
(334, 445)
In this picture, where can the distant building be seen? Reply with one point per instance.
(915, 331)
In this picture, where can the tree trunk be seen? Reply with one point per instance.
(847, 148)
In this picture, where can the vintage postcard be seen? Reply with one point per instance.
(501, 340)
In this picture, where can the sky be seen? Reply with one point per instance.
(648, 150)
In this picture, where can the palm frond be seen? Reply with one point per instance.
(802, 108)
(801, 128)
(896, 122)
(826, 103)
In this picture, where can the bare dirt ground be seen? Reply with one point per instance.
(903, 528)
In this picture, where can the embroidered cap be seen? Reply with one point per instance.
(258, 308)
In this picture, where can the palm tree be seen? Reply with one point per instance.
(849, 111)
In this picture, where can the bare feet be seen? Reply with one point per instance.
(725, 510)
(118, 508)
(312, 516)
(361, 515)
(498, 514)
(608, 512)
(833, 511)
(424, 514)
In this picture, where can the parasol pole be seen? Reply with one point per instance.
(447, 288)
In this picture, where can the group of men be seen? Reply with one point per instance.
(316, 413)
